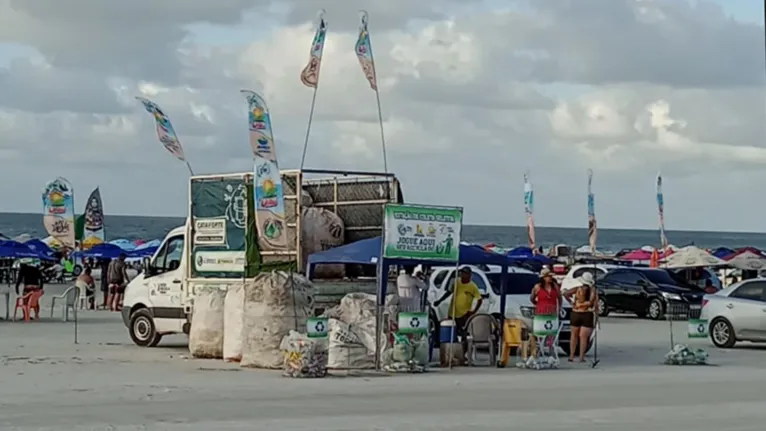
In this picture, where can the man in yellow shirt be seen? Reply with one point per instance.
(460, 309)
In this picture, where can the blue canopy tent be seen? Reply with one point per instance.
(367, 252)
(40, 247)
(722, 252)
(142, 252)
(522, 254)
(16, 250)
(102, 251)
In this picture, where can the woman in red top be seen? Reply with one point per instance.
(545, 295)
(546, 298)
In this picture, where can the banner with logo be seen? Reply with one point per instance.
(592, 230)
(93, 221)
(165, 131)
(422, 232)
(363, 49)
(310, 73)
(58, 211)
(529, 206)
(219, 220)
(269, 199)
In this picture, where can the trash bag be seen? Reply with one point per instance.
(321, 229)
(275, 303)
(233, 323)
(421, 350)
(303, 356)
(206, 332)
(346, 351)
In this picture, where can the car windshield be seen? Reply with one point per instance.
(518, 283)
(659, 276)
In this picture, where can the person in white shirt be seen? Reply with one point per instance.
(410, 289)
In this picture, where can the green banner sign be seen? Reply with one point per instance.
(422, 232)
(219, 219)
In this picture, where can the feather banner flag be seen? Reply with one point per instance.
(529, 203)
(165, 131)
(363, 50)
(267, 188)
(592, 232)
(93, 226)
(58, 211)
(310, 73)
(661, 210)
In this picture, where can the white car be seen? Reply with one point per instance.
(737, 313)
(576, 271)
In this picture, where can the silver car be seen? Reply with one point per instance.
(737, 313)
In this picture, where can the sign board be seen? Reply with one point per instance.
(545, 325)
(219, 261)
(210, 231)
(413, 323)
(422, 232)
(316, 327)
(697, 328)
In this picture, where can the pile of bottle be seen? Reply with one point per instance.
(681, 354)
(541, 363)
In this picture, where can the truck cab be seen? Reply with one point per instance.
(488, 280)
(157, 301)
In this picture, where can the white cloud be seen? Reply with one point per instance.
(472, 96)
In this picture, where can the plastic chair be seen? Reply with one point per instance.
(82, 299)
(29, 302)
(7, 294)
(70, 297)
(481, 330)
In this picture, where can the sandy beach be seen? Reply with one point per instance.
(106, 383)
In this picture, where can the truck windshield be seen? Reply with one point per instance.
(518, 283)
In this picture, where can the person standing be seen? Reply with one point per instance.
(410, 289)
(86, 283)
(460, 309)
(546, 298)
(117, 276)
(32, 278)
(584, 299)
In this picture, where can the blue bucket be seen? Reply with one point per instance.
(447, 332)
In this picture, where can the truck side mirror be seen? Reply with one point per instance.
(146, 266)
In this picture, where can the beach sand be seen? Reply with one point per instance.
(106, 383)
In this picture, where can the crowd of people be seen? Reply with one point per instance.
(466, 299)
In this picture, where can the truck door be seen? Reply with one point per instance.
(165, 280)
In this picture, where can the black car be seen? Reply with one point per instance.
(645, 292)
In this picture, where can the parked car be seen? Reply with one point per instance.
(645, 292)
(737, 313)
(576, 271)
(704, 274)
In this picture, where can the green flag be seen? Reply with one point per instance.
(79, 227)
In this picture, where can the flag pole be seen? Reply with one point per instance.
(308, 127)
(377, 98)
(191, 172)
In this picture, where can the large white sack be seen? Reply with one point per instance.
(321, 229)
(206, 332)
(233, 323)
(275, 303)
(345, 350)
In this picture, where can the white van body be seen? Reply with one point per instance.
(162, 291)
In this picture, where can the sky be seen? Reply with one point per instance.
(473, 92)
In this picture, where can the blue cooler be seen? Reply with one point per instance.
(447, 332)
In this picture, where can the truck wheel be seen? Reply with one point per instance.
(142, 330)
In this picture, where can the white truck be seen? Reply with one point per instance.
(517, 305)
(160, 300)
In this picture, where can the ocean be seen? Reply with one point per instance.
(147, 228)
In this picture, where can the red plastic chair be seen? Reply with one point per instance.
(29, 302)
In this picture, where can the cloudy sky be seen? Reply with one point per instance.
(474, 93)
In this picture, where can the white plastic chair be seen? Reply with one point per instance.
(70, 297)
(82, 299)
(7, 294)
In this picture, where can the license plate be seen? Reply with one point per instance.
(695, 307)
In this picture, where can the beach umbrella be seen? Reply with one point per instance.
(102, 251)
(747, 259)
(692, 257)
(149, 244)
(17, 250)
(123, 243)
